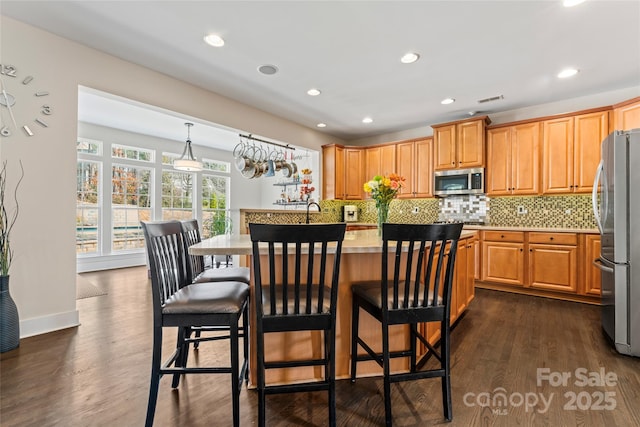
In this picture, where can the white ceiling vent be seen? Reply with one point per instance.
(493, 98)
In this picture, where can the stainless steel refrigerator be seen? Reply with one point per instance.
(617, 214)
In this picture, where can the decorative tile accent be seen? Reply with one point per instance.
(466, 208)
(564, 211)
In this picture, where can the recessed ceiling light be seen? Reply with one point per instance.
(313, 92)
(367, 120)
(567, 72)
(570, 3)
(268, 70)
(447, 101)
(409, 58)
(214, 40)
(321, 125)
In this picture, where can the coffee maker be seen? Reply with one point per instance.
(350, 213)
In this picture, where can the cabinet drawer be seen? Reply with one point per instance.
(554, 238)
(503, 236)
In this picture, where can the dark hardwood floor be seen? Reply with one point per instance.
(98, 373)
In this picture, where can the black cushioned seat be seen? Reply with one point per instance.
(203, 307)
(422, 255)
(223, 297)
(230, 274)
(296, 269)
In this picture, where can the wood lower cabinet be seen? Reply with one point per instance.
(550, 264)
(553, 261)
(503, 257)
(592, 275)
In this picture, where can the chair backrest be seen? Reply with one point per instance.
(418, 260)
(195, 263)
(303, 263)
(166, 252)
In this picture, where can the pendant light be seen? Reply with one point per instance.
(187, 162)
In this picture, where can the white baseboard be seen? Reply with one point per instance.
(45, 324)
(86, 264)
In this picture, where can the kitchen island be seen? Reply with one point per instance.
(361, 260)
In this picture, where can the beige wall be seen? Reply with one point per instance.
(43, 272)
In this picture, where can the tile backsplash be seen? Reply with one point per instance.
(562, 211)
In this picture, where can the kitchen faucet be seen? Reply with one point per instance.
(308, 205)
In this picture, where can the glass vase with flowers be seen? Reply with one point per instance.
(383, 189)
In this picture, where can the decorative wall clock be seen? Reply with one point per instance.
(16, 111)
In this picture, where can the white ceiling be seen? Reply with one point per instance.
(350, 50)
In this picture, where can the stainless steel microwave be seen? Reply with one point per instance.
(459, 181)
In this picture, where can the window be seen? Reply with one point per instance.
(88, 207)
(215, 217)
(216, 165)
(89, 146)
(131, 153)
(130, 204)
(177, 195)
(118, 186)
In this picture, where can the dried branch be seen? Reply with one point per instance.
(7, 220)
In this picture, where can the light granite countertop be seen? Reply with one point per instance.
(539, 229)
(357, 241)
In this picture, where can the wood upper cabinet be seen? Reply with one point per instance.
(342, 172)
(553, 259)
(592, 275)
(513, 159)
(571, 151)
(626, 116)
(333, 172)
(459, 145)
(354, 173)
(589, 130)
(380, 160)
(414, 163)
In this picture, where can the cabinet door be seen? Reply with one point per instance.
(472, 250)
(498, 175)
(503, 262)
(387, 160)
(444, 147)
(592, 274)
(372, 162)
(333, 172)
(405, 162)
(590, 130)
(558, 156)
(470, 144)
(460, 282)
(423, 168)
(525, 158)
(553, 267)
(354, 173)
(627, 117)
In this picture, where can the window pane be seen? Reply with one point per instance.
(89, 146)
(132, 153)
(177, 195)
(216, 165)
(130, 205)
(87, 207)
(215, 217)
